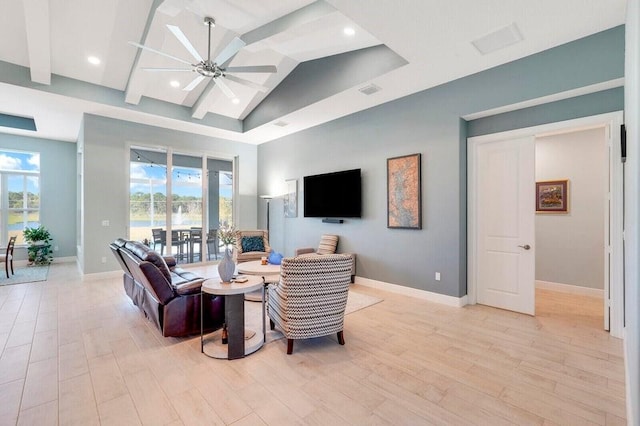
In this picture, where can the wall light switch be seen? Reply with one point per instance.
(437, 276)
(104, 260)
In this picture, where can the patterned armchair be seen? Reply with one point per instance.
(328, 245)
(251, 245)
(310, 299)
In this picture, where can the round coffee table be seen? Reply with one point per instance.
(269, 273)
(238, 346)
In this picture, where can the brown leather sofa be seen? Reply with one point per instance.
(168, 295)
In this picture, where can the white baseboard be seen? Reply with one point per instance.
(572, 289)
(413, 292)
(67, 259)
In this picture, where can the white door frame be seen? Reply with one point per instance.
(614, 252)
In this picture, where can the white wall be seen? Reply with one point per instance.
(570, 247)
(632, 217)
(105, 182)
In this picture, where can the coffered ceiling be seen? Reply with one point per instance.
(45, 45)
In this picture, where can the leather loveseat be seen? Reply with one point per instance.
(168, 295)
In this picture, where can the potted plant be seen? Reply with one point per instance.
(228, 236)
(226, 267)
(39, 250)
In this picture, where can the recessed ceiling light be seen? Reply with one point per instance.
(94, 60)
(349, 31)
(236, 101)
(174, 83)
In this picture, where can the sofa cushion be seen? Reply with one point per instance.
(145, 253)
(255, 243)
(328, 244)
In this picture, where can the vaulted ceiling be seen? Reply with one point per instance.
(399, 47)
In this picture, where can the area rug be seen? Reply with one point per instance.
(25, 274)
(355, 302)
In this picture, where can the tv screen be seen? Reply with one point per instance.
(335, 194)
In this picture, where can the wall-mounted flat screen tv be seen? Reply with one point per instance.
(335, 194)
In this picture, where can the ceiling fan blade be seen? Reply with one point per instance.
(225, 89)
(255, 68)
(185, 42)
(230, 50)
(193, 83)
(159, 52)
(246, 83)
(168, 69)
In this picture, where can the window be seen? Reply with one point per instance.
(148, 193)
(20, 192)
(199, 195)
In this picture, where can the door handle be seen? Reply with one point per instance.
(526, 246)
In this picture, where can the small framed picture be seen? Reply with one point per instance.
(291, 198)
(552, 196)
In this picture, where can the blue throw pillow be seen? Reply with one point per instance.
(252, 244)
(275, 258)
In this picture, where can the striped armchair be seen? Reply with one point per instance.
(310, 299)
(328, 245)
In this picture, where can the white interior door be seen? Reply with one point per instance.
(505, 224)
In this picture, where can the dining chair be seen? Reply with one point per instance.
(7, 256)
(175, 242)
(213, 245)
(156, 233)
(195, 237)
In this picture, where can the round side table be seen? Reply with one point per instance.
(269, 273)
(237, 346)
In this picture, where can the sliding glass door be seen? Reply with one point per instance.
(178, 212)
(186, 207)
(147, 193)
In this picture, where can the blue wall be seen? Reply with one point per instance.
(430, 123)
(57, 185)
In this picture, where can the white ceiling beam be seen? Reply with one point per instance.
(208, 96)
(38, 29)
(294, 19)
(136, 82)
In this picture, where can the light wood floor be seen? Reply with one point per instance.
(76, 351)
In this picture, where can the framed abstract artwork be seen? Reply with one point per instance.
(552, 196)
(404, 192)
(291, 198)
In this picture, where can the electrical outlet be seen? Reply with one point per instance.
(104, 259)
(437, 276)
(105, 222)
(55, 248)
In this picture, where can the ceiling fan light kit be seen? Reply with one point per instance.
(206, 68)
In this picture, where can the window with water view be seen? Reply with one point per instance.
(20, 191)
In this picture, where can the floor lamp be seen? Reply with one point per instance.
(268, 198)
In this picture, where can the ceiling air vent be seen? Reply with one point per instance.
(498, 39)
(370, 89)
(280, 123)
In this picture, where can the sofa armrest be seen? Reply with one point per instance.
(192, 287)
(305, 250)
(170, 260)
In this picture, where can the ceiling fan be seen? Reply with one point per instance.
(208, 68)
